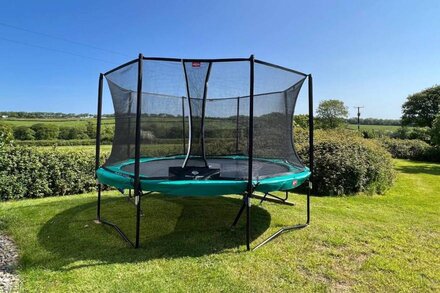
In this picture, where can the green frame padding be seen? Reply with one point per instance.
(115, 176)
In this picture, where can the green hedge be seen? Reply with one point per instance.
(345, 163)
(71, 142)
(32, 172)
(413, 149)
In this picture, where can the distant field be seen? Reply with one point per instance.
(375, 127)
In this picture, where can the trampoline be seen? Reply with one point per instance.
(204, 127)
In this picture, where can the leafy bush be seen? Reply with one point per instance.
(5, 133)
(411, 149)
(73, 132)
(24, 133)
(345, 163)
(32, 172)
(45, 131)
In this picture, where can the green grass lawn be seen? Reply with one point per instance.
(360, 243)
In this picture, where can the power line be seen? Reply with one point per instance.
(61, 39)
(54, 50)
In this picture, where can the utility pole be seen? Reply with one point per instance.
(359, 114)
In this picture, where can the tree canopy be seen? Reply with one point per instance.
(331, 113)
(421, 108)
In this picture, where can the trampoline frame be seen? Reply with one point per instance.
(250, 191)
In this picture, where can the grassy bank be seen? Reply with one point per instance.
(360, 243)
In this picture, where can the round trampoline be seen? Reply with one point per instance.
(226, 175)
(203, 127)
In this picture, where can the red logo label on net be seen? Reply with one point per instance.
(196, 64)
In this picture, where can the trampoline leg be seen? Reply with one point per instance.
(138, 216)
(98, 208)
(294, 227)
(248, 222)
(239, 214)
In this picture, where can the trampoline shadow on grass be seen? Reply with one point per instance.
(170, 228)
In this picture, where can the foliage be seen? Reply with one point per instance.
(331, 113)
(6, 134)
(24, 133)
(75, 132)
(411, 149)
(374, 121)
(301, 120)
(45, 131)
(435, 131)
(31, 172)
(42, 115)
(91, 129)
(50, 142)
(345, 163)
(421, 108)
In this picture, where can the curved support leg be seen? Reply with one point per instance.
(290, 228)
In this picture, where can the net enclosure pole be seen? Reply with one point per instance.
(137, 151)
(311, 146)
(237, 125)
(250, 152)
(183, 125)
(98, 143)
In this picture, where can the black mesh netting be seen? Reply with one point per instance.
(200, 110)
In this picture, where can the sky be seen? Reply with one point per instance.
(365, 53)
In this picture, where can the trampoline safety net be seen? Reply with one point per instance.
(199, 110)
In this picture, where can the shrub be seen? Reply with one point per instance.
(411, 149)
(32, 172)
(5, 133)
(73, 132)
(345, 163)
(24, 133)
(45, 131)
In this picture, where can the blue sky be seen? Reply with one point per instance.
(369, 53)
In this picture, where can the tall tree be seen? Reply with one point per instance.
(332, 113)
(421, 108)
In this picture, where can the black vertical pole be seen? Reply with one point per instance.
(137, 152)
(250, 153)
(183, 125)
(202, 126)
(311, 155)
(98, 143)
(237, 134)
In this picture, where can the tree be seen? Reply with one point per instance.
(24, 133)
(332, 113)
(301, 120)
(45, 131)
(435, 130)
(421, 108)
(91, 129)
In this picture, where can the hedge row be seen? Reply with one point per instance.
(31, 172)
(50, 142)
(411, 149)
